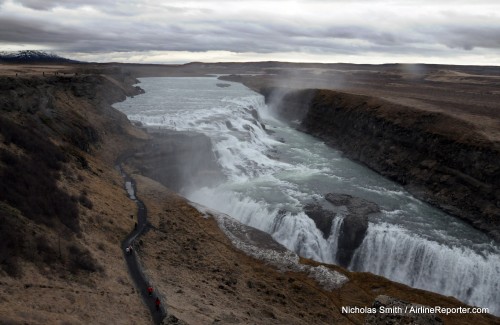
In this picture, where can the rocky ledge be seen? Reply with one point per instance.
(353, 226)
(441, 159)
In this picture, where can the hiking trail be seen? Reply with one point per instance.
(140, 280)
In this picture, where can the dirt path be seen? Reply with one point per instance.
(135, 270)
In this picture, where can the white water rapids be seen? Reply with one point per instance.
(272, 175)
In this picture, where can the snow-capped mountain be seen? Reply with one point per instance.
(32, 56)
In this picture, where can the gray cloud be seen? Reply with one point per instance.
(20, 31)
(50, 4)
(341, 28)
(113, 7)
(472, 37)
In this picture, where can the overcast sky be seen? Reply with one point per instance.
(375, 31)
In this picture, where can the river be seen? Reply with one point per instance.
(273, 170)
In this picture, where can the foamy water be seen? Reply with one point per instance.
(272, 175)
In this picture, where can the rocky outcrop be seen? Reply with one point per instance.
(179, 160)
(292, 104)
(322, 218)
(355, 205)
(394, 311)
(354, 224)
(172, 320)
(439, 158)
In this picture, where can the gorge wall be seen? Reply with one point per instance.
(178, 160)
(439, 158)
(63, 208)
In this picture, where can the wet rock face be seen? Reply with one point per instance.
(355, 223)
(179, 160)
(355, 205)
(290, 105)
(438, 158)
(322, 218)
(394, 313)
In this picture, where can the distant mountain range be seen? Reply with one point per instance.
(31, 56)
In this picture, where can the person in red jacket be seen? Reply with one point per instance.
(157, 303)
(150, 291)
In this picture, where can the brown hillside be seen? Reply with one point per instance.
(63, 208)
(205, 279)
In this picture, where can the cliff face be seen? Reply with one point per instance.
(179, 160)
(63, 209)
(441, 159)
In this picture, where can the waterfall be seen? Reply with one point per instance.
(408, 258)
(333, 240)
(273, 171)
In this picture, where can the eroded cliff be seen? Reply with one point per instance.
(441, 159)
(63, 209)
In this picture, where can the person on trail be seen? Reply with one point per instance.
(130, 249)
(157, 303)
(150, 291)
(127, 250)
